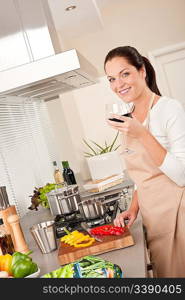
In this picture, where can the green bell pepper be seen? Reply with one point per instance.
(23, 268)
(19, 256)
(22, 265)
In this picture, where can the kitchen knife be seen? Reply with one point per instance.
(86, 228)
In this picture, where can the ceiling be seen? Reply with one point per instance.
(86, 17)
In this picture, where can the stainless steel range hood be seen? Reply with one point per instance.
(48, 77)
(48, 72)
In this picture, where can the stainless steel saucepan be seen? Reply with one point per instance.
(92, 209)
(64, 201)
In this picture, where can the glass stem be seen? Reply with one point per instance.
(125, 140)
(126, 150)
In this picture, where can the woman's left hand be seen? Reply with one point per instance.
(130, 126)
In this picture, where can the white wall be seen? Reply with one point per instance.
(146, 25)
(80, 115)
(68, 130)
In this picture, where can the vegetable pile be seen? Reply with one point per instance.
(77, 239)
(18, 265)
(108, 230)
(87, 267)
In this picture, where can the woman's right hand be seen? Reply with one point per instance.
(129, 215)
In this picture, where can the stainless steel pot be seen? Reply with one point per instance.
(92, 209)
(44, 235)
(64, 201)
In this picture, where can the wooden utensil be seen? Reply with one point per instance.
(19, 240)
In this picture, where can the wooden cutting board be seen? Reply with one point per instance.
(68, 254)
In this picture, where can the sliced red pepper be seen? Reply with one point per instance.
(108, 230)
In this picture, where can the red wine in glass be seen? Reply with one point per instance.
(121, 109)
(121, 121)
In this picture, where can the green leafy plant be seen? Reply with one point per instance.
(101, 149)
(39, 195)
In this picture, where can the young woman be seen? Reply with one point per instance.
(156, 134)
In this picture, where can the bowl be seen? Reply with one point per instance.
(34, 275)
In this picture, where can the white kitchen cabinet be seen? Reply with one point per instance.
(22, 42)
(12, 41)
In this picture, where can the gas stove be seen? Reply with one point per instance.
(75, 224)
(114, 205)
(116, 200)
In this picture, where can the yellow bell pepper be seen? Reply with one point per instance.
(70, 236)
(1, 257)
(76, 239)
(5, 263)
(89, 243)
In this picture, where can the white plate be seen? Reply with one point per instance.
(34, 275)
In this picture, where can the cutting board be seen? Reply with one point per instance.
(68, 254)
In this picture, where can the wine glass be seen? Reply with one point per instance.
(121, 109)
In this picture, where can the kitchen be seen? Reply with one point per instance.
(77, 108)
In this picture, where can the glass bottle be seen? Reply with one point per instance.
(68, 174)
(57, 174)
(6, 243)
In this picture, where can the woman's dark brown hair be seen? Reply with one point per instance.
(138, 61)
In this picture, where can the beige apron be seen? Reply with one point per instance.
(162, 206)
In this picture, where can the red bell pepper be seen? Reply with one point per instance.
(108, 230)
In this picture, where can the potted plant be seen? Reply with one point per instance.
(101, 149)
(103, 161)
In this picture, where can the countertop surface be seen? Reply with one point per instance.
(131, 259)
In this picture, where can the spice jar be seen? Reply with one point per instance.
(6, 243)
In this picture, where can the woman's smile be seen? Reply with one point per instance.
(124, 91)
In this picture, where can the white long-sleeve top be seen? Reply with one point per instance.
(167, 125)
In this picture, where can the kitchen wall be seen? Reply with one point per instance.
(146, 25)
(77, 115)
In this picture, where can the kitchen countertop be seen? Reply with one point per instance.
(131, 259)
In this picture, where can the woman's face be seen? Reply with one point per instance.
(125, 80)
